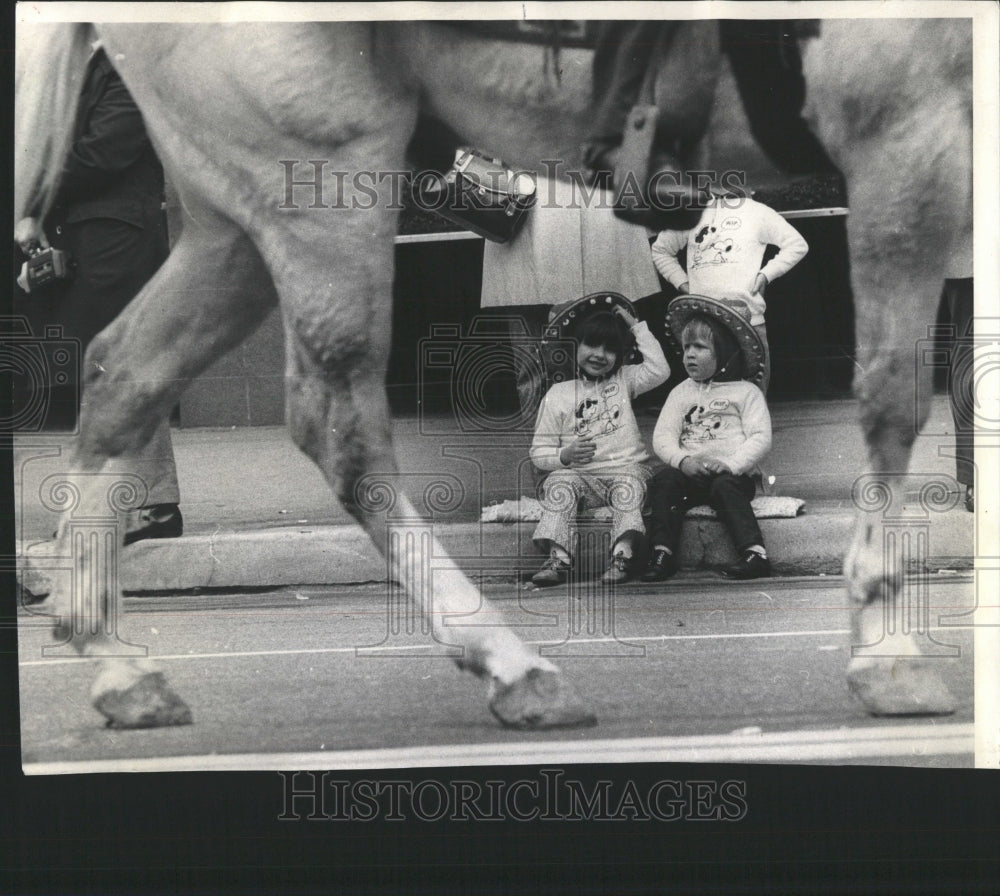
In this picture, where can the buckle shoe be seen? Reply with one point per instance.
(618, 571)
(553, 572)
(751, 566)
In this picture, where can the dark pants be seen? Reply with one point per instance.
(958, 297)
(114, 260)
(672, 494)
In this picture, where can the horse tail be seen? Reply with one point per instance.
(51, 64)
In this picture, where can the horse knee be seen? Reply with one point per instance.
(345, 433)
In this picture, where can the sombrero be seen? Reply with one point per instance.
(565, 318)
(734, 315)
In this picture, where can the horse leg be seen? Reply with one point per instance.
(904, 142)
(338, 336)
(211, 293)
(887, 672)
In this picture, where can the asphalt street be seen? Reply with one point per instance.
(697, 670)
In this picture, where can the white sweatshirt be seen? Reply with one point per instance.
(725, 249)
(726, 421)
(602, 410)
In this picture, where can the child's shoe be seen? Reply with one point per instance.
(662, 565)
(753, 565)
(618, 571)
(554, 571)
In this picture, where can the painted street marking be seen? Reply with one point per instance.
(360, 651)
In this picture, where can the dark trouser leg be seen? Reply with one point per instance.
(729, 496)
(671, 494)
(766, 63)
(958, 295)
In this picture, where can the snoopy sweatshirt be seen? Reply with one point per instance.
(726, 421)
(725, 249)
(602, 410)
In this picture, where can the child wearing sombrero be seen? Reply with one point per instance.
(587, 437)
(712, 433)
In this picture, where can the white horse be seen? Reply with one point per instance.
(224, 104)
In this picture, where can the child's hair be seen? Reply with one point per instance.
(605, 330)
(728, 357)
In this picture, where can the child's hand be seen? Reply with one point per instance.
(759, 284)
(578, 452)
(703, 467)
(623, 313)
(716, 467)
(695, 468)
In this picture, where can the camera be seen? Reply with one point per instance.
(47, 266)
(476, 374)
(44, 375)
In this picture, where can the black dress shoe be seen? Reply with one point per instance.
(751, 566)
(158, 521)
(662, 565)
(970, 499)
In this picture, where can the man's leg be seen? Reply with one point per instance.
(958, 294)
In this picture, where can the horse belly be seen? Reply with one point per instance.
(522, 102)
(226, 103)
(891, 99)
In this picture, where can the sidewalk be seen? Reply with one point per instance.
(258, 514)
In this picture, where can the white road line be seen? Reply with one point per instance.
(368, 651)
(908, 740)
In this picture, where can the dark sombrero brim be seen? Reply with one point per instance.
(565, 318)
(683, 308)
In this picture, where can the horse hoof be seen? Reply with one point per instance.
(148, 703)
(538, 700)
(903, 686)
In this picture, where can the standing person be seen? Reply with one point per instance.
(712, 433)
(724, 255)
(108, 214)
(587, 436)
(958, 299)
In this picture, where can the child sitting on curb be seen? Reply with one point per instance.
(712, 433)
(586, 434)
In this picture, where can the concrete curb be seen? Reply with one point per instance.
(813, 542)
